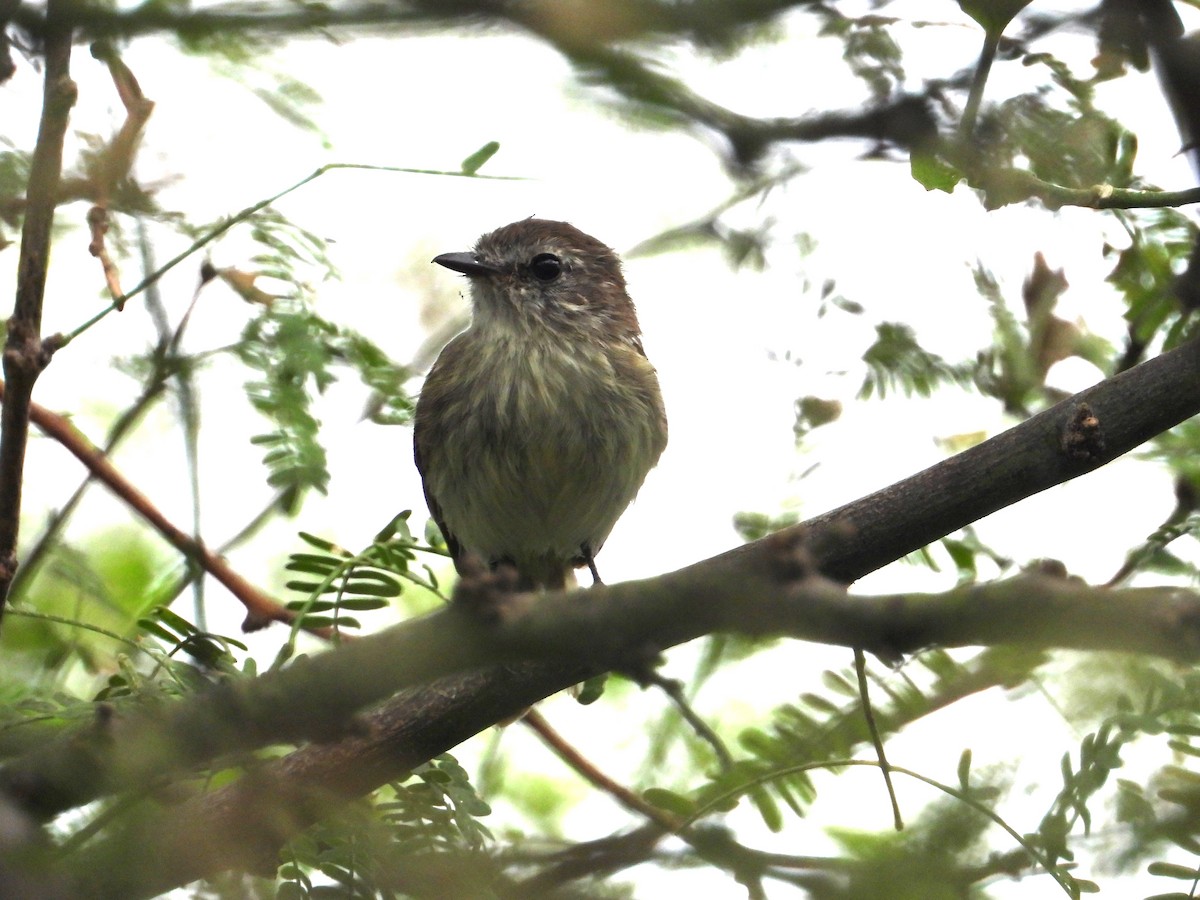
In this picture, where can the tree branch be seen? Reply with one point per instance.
(590, 43)
(559, 639)
(115, 162)
(25, 354)
(1005, 186)
(701, 22)
(261, 608)
(760, 588)
(590, 772)
(1073, 437)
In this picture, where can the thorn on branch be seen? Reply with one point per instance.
(1083, 439)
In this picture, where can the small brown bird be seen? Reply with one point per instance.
(537, 425)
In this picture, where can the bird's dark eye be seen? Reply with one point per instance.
(545, 267)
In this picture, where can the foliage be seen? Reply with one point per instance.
(364, 848)
(357, 582)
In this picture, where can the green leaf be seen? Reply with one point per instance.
(319, 543)
(993, 15)
(670, 801)
(1173, 870)
(475, 161)
(592, 689)
(398, 526)
(897, 360)
(364, 605)
(308, 587)
(964, 769)
(174, 621)
(933, 174)
(768, 809)
(1184, 748)
(310, 606)
(151, 627)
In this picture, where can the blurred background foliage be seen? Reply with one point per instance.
(96, 619)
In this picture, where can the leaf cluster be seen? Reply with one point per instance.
(347, 582)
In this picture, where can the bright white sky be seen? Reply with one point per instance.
(716, 336)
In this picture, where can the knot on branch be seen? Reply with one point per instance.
(61, 94)
(789, 556)
(1049, 568)
(639, 663)
(50, 346)
(24, 353)
(486, 593)
(1082, 437)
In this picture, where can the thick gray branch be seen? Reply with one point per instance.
(760, 588)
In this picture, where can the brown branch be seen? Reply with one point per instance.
(587, 770)
(572, 636)
(243, 825)
(115, 162)
(1004, 186)
(97, 219)
(25, 353)
(1047, 449)
(37, 552)
(112, 165)
(719, 849)
(743, 589)
(261, 608)
(240, 826)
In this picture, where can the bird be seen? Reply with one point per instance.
(537, 425)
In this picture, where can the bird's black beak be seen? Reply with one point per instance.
(467, 263)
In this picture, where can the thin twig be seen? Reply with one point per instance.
(216, 231)
(1006, 186)
(115, 163)
(1168, 531)
(734, 590)
(987, 55)
(261, 608)
(588, 771)
(54, 526)
(860, 669)
(674, 690)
